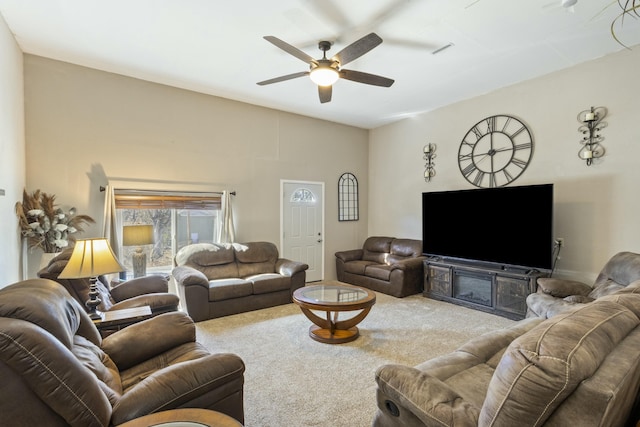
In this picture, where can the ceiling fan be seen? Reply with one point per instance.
(325, 72)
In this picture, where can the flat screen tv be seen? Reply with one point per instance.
(512, 226)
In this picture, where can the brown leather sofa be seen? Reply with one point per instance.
(219, 280)
(554, 296)
(149, 290)
(56, 370)
(578, 368)
(384, 264)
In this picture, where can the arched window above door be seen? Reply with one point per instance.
(302, 195)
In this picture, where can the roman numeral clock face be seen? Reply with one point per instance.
(495, 151)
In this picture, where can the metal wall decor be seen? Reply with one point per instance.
(348, 197)
(591, 125)
(429, 167)
(495, 151)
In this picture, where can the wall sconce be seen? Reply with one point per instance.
(591, 124)
(429, 155)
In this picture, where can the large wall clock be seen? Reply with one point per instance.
(495, 151)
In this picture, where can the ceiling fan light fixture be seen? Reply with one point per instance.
(324, 75)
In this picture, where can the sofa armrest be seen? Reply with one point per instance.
(157, 302)
(561, 288)
(430, 400)
(352, 255)
(144, 340)
(287, 267)
(186, 276)
(139, 286)
(408, 264)
(219, 376)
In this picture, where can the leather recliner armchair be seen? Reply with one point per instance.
(56, 370)
(149, 290)
(554, 296)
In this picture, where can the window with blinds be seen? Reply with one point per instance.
(136, 199)
(178, 219)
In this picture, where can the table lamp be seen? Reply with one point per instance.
(91, 258)
(138, 235)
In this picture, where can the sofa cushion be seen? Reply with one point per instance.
(376, 249)
(97, 361)
(382, 272)
(269, 282)
(203, 257)
(406, 248)
(605, 288)
(544, 366)
(357, 267)
(258, 258)
(629, 300)
(222, 289)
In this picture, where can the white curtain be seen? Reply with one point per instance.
(226, 230)
(110, 230)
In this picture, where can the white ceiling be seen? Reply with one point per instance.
(217, 47)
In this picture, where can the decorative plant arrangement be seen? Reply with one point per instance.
(45, 225)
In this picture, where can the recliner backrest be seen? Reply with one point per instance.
(544, 366)
(622, 269)
(77, 288)
(50, 348)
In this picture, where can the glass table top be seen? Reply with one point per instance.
(333, 293)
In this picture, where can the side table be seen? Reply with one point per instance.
(191, 417)
(118, 319)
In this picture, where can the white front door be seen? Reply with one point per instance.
(302, 228)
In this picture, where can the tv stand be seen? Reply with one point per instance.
(495, 288)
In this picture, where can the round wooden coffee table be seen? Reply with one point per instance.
(334, 298)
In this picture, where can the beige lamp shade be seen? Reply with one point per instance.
(137, 235)
(91, 258)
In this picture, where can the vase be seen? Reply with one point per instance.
(46, 259)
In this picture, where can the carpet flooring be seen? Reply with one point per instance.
(292, 380)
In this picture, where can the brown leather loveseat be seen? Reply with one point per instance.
(219, 280)
(384, 264)
(56, 370)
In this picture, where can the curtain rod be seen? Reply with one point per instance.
(233, 193)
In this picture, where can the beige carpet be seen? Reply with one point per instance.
(292, 380)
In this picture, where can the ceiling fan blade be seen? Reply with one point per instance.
(290, 49)
(358, 48)
(366, 78)
(325, 93)
(283, 78)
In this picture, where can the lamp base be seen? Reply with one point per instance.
(94, 301)
(139, 261)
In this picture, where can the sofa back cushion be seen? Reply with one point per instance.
(544, 366)
(377, 249)
(257, 258)
(214, 261)
(401, 249)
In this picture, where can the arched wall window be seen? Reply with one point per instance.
(347, 197)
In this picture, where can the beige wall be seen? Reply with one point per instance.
(12, 161)
(596, 207)
(86, 128)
